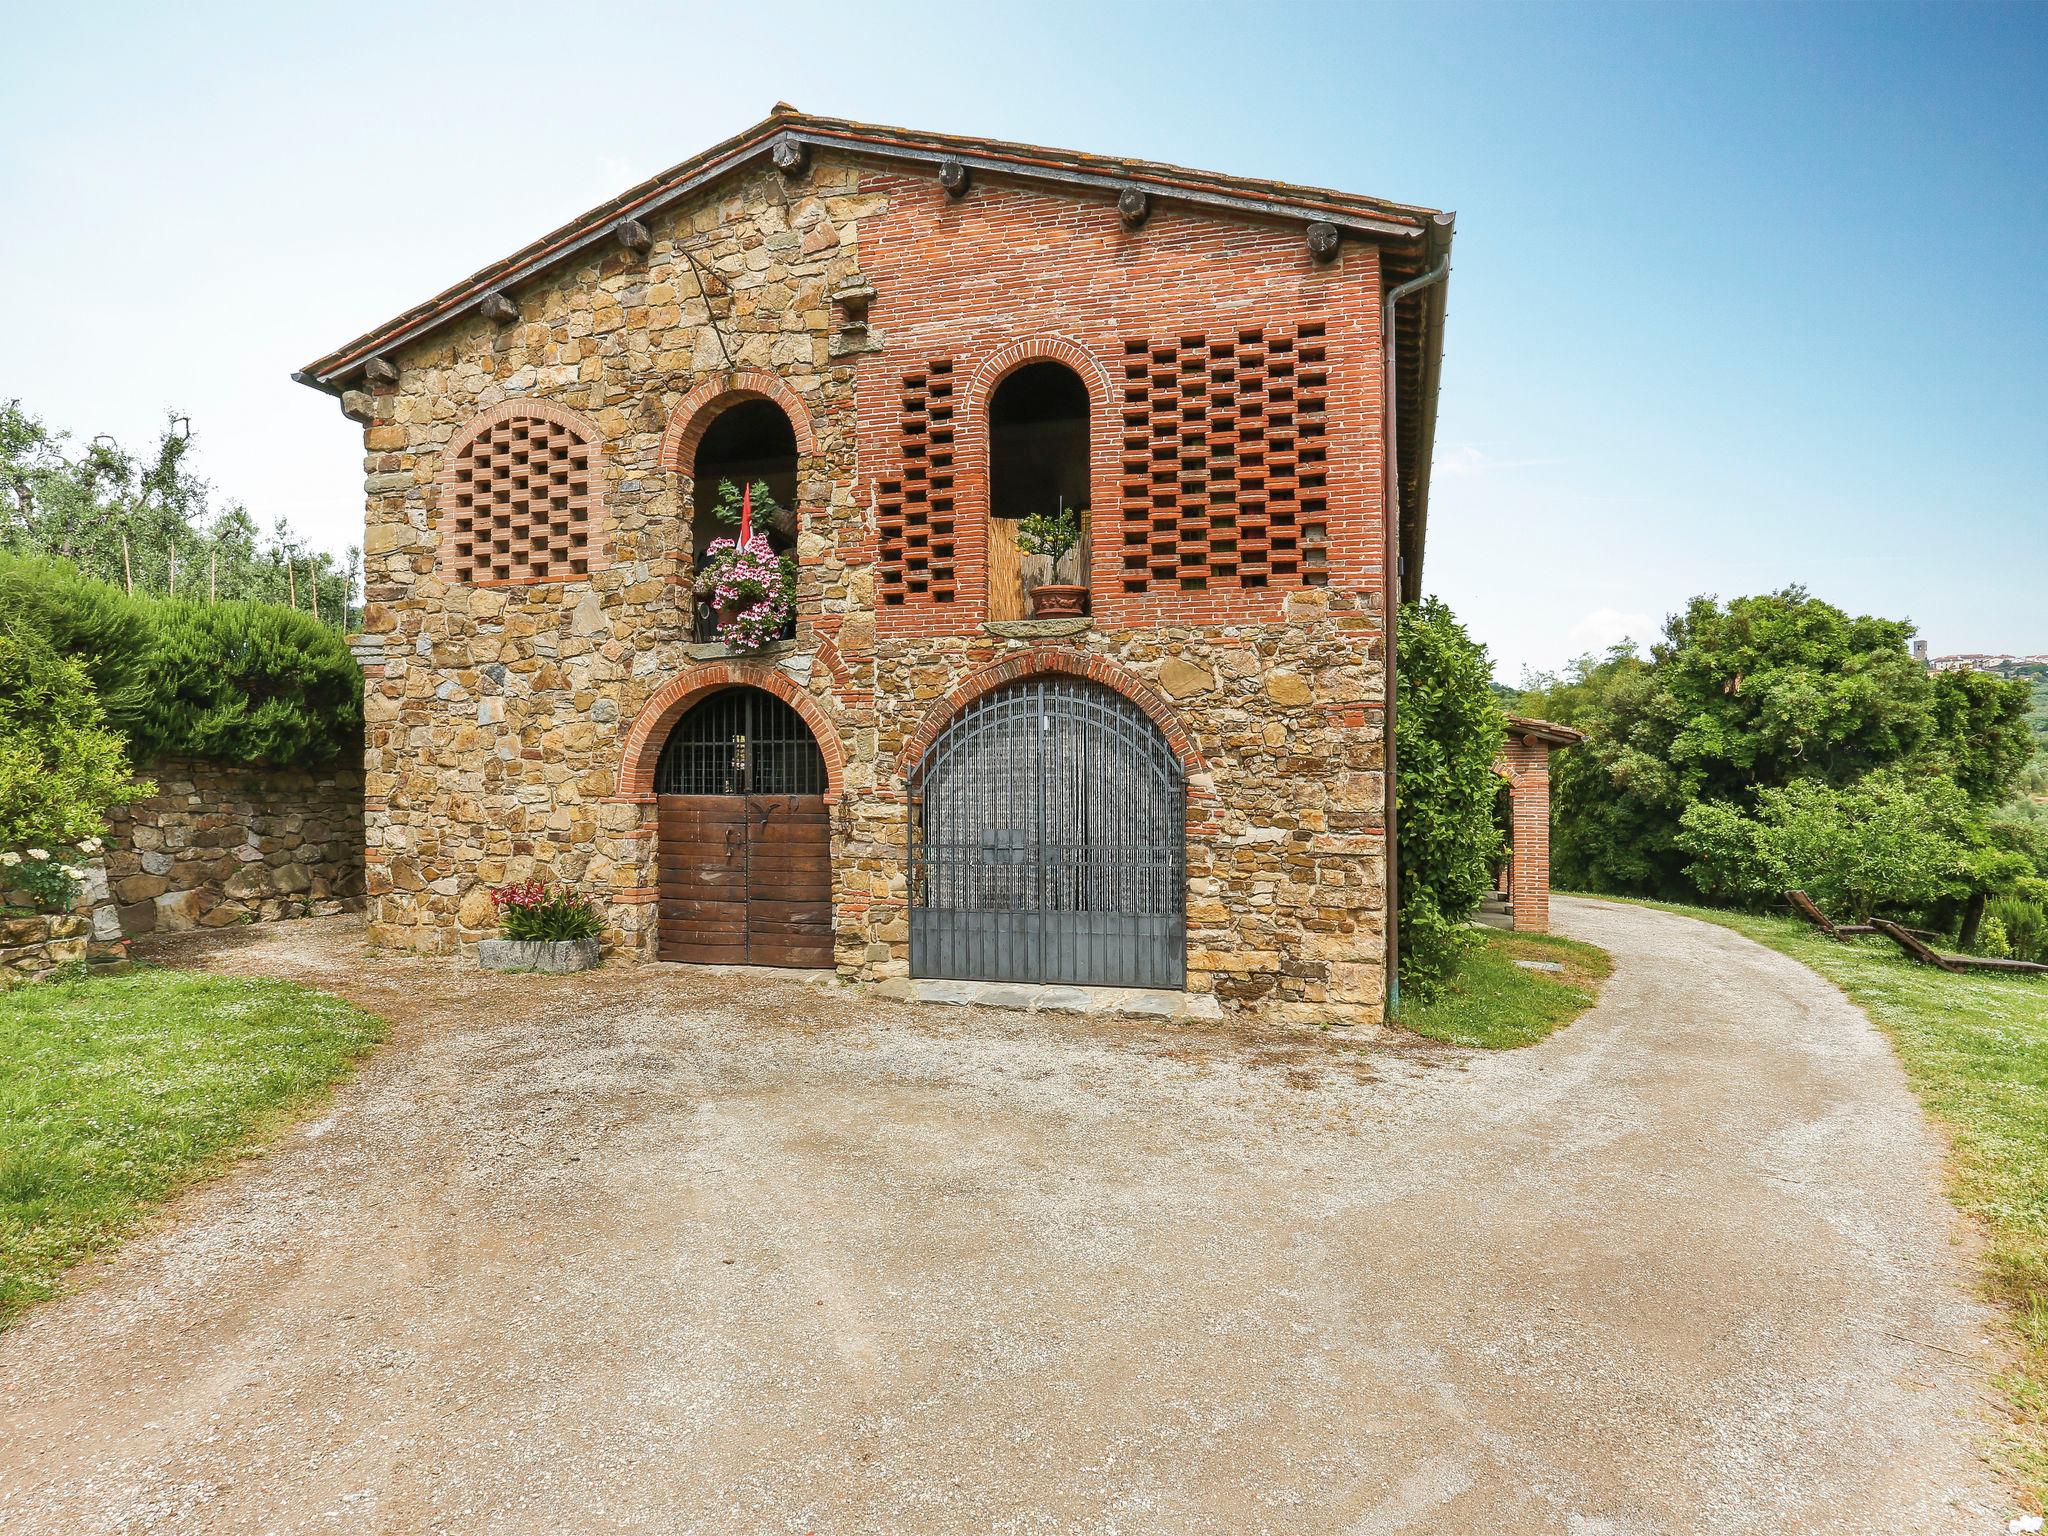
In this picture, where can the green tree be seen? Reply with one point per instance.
(61, 768)
(1449, 730)
(1761, 693)
(144, 522)
(1981, 731)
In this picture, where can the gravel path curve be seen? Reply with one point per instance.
(665, 1251)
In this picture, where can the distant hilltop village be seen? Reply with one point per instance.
(1975, 661)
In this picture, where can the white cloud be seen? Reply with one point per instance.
(1607, 627)
(1468, 461)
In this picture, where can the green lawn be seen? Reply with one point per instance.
(116, 1092)
(1976, 1051)
(1496, 1003)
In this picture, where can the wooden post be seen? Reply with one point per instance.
(291, 580)
(313, 582)
(127, 570)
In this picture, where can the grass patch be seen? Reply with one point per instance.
(1495, 1004)
(1976, 1051)
(116, 1092)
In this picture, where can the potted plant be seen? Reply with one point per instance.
(545, 930)
(1053, 534)
(747, 585)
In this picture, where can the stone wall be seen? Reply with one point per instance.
(33, 947)
(218, 845)
(509, 726)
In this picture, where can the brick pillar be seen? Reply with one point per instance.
(1527, 766)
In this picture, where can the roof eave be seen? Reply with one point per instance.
(1549, 732)
(1415, 524)
(1379, 222)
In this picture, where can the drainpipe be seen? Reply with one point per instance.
(1391, 611)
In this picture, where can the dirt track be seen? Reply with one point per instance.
(662, 1251)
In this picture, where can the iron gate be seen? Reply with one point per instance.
(1048, 842)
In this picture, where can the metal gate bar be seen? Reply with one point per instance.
(1048, 842)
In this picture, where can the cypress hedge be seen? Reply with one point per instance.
(248, 683)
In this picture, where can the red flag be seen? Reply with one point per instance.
(746, 514)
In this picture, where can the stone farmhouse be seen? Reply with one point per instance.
(913, 342)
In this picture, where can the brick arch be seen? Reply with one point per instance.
(695, 412)
(1006, 360)
(1104, 441)
(649, 731)
(1037, 662)
(450, 470)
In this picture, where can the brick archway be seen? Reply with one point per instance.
(449, 476)
(696, 411)
(1038, 661)
(645, 737)
(1104, 438)
(1006, 360)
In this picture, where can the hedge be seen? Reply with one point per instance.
(1449, 729)
(247, 683)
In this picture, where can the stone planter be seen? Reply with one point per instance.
(522, 955)
(1058, 601)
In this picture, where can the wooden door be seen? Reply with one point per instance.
(703, 878)
(789, 881)
(744, 858)
(745, 880)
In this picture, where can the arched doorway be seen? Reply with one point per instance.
(1037, 462)
(1048, 842)
(745, 842)
(748, 444)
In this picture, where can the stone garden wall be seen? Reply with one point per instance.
(33, 947)
(218, 845)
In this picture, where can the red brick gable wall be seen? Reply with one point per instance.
(1235, 394)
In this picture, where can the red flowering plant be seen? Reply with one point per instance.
(530, 912)
(750, 586)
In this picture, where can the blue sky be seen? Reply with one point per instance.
(1742, 296)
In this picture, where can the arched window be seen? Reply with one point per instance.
(521, 497)
(1037, 462)
(750, 442)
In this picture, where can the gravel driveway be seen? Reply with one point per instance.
(660, 1250)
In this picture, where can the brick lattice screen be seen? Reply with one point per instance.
(1224, 476)
(915, 514)
(521, 504)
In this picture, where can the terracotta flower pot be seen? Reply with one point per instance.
(1058, 602)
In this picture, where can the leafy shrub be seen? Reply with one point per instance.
(247, 683)
(1449, 729)
(531, 913)
(1885, 844)
(236, 682)
(47, 881)
(99, 626)
(61, 768)
(2024, 925)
